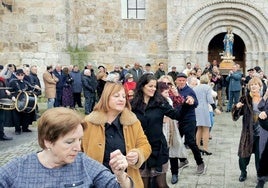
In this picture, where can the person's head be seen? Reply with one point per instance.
(136, 66)
(188, 65)
(161, 66)
(255, 84)
(34, 69)
(20, 74)
(129, 77)
(58, 68)
(26, 71)
(89, 66)
(113, 77)
(127, 66)
(60, 131)
(65, 70)
(198, 72)
(173, 69)
(234, 68)
(257, 69)
(192, 73)
(192, 81)
(101, 68)
(181, 80)
(113, 98)
(148, 67)
(204, 79)
(49, 68)
(117, 68)
(166, 79)
(12, 68)
(75, 68)
(146, 86)
(163, 88)
(214, 62)
(87, 72)
(250, 72)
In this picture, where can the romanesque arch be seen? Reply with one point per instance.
(213, 18)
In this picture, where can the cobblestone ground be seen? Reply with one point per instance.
(222, 166)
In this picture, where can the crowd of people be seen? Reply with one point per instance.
(144, 119)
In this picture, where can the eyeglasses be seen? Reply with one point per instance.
(168, 83)
(192, 73)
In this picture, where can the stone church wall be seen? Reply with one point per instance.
(174, 32)
(40, 32)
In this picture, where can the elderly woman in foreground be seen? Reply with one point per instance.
(60, 163)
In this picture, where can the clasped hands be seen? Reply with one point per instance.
(119, 162)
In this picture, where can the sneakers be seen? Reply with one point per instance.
(184, 164)
(201, 169)
(174, 179)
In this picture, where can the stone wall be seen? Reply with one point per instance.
(175, 31)
(39, 32)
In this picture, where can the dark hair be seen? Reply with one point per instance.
(148, 64)
(49, 67)
(138, 100)
(162, 86)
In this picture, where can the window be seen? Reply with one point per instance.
(133, 9)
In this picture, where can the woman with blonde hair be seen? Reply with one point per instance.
(111, 126)
(249, 139)
(203, 123)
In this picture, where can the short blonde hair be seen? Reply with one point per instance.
(109, 89)
(254, 80)
(204, 79)
(170, 79)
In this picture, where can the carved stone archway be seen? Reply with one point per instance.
(192, 37)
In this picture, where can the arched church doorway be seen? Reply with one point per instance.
(215, 47)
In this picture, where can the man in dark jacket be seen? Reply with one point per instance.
(160, 72)
(89, 88)
(187, 128)
(76, 86)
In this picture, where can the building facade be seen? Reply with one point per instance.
(107, 31)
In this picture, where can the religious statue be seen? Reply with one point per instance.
(228, 42)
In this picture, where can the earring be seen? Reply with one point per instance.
(48, 149)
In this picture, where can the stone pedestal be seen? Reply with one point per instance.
(226, 64)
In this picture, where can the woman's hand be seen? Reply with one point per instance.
(239, 105)
(132, 158)
(263, 115)
(118, 162)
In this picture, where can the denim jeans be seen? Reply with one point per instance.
(50, 103)
(89, 104)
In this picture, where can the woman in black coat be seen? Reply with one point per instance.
(150, 108)
(249, 140)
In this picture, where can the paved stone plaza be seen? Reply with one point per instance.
(222, 166)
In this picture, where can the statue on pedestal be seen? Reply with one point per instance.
(228, 42)
(227, 55)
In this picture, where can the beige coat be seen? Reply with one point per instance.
(50, 81)
(93, 143)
